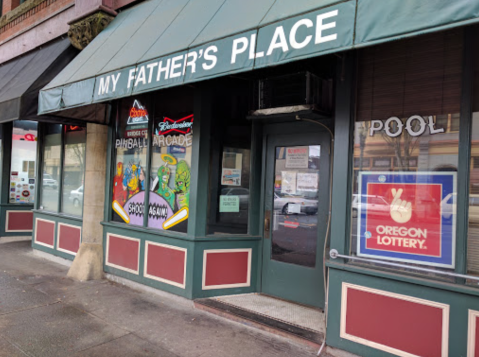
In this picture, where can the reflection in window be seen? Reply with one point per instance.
(73, 169)
(24, 155)
(51, 167)
(230, 155)
(406, 143)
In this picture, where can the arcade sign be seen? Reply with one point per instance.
(408, 217)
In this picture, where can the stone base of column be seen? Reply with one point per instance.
(88, 263)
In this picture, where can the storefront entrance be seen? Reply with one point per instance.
(296, 209)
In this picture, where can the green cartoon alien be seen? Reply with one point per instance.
(163, 189)
(182, 184)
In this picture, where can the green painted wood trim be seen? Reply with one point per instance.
(463, 174)
(2, 169)
(200, 159)
(200, 247)
(140, 278)
(58, 215)
(175, 235)
(256, 207)
(6, 160)
(151, 104)
(39, 167)
(343, 148)
(459, 305)
(405, 277)
(62, 163)
(110, 162)
(57, 218)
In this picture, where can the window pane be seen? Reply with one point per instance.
(51, 167)
(170, 173)
(404, 203)
(296, 205)
(230, 159)
(24, 155)
(130, 160)
(73, 169)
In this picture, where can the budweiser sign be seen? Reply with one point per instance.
(180, 126)
(138, 114)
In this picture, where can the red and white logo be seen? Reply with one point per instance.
(404, 218)
(138, 114)
(179, 126)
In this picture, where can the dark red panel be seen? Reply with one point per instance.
(476, 352)
(69, 238)
(404, 325)
(226, 268)
(123, 252)
(45, 232)
(20, 221)
(166, 263)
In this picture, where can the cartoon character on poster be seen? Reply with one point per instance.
(133, 186)
(170, 207)
(119, 189)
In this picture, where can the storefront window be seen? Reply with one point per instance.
(131, 145)
(168, 128)
(24, 155)
(170, 172)
(406, 145)
(73, 169)
(51, 167)
(229, 191)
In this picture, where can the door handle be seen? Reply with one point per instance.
(267, 224)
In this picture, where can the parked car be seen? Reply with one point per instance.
(49, 182)
(76, 197)
(288, 204)
(242, 193)
(378, 204)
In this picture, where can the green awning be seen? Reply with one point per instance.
(164, 43)
(22, 78)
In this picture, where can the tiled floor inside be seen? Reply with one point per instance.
(302, 316)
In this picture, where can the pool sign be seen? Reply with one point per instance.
(407, 217)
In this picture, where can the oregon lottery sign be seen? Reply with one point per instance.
(407, 217)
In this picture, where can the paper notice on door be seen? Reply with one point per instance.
(231, 177)
(297, 157)
(229, 203)
(288, 182)
(307, 182)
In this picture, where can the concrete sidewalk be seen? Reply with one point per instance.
(44, 313)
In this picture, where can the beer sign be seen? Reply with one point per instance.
(408, 217)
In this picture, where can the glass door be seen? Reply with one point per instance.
(296, 206)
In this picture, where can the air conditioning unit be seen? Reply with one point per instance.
(293, 93)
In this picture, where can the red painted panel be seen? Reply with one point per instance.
(226, 268)
(20, 221)
(400, 324)
(123, 252)
(476, 352)
(69, 238)
(45, 232)
(166, 263)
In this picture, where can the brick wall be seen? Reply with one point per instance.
(34, 14)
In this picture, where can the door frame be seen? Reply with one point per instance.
(262, 131)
